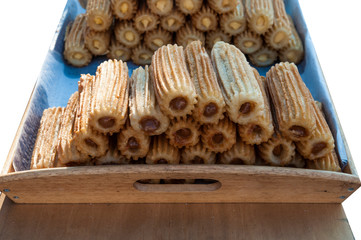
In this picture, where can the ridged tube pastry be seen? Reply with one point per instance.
(144, 112)
(68, 154)
(174, 88)
(75, 51)
(219, 137)
(87, 140)
(118, 51)
(99, 15)
(141, 55)
(205, 19)
(133, 144)
(109, 102)
(126, 34)
(157, 38)
(161, 152)
(260, 15)
(210, 106)
(234, 22)
(172, 22)
(145, 20)
(198, 154)
(277, 151)
(263, 57)
(248, 42)
(212, 37)
(160, 7)
(189, 6)
(124, 9)
(183, 132)
(297, 161)
(328, 163)
(240, 153)
(188, 34)
(113, 156)
(45, 148)
(292, 101)
(222, 6)
(97, 42)
(279, 34)
(240, 88)
(320, 142)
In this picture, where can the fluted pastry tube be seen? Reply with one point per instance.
(75, 51)
(279, 34)
(241, 91)
(161, 152)
(260, 15)
(297, 161)
(240, 153)
(133, 144)
(86, 139)
(172, 22)
(263, 57)
(99, 15)
(144, 112)
(97, 42)
(187, 34)
(248, 42)
(113, 156)
(157, 38)
(328, 163)
(234, 22)
(198, 154)
(124, 9)
(126, 34)
(210, 106)
(141, 55)
(45, 148)
(222, 6)
(118, 51)
(189, 6)
(320, 142)
(160, 7)
(219, 137)
(294, 51)
(292, 101)
(173, 85)
(145, 20)
(212, 37)
(109, 102)
(183, 132)
(68, 154)
(205, 19)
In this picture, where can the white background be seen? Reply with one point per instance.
(27, 28)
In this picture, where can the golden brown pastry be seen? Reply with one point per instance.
(189, 6)
(99, 15)
(161, 152)
(297, 161)
(144, 112)
(248, 42)
(293, 52)
(234, 22)
(279, 34)
(241, 91)
(45, 148)
(205, 19)
(87, 140)
(97, 42)
(188, 34)
(263, 57)
(212, 37)
(328, 163)
(222, 6)
(126, 34)
(173, 85)
(210, 106)
(124, 9)
(240, 153)
(118, 51)
(113, 156)
(292, 102)
(172, 22)
(109, 102)
(160, 7)
(219, 137)
(198, 154)
(157, 38)
(145, 20)
(75, 51)
(183, 132)
(260, 15)
(141, 55)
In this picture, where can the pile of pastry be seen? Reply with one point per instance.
(190, 108)
(132, 29)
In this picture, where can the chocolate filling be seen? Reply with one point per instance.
(236, 161)
(218, 138)
(298, 131)
(90, 143)
(197, 160)
(318, 147)
(133, 143)
(210, 109)
(178, 104)
(162, 161)
(278, 150)
(149, 124)
(245, 108)
(106, 122)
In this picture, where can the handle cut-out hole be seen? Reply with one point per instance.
(177, 185)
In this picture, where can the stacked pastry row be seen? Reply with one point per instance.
(131, 29)
(188, 107)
